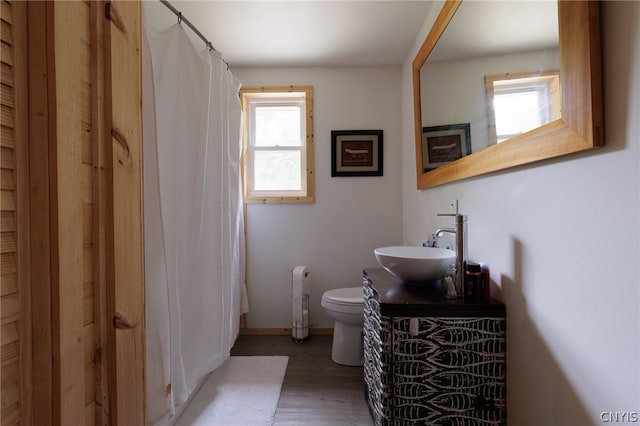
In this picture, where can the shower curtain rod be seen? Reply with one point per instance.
(182, 18)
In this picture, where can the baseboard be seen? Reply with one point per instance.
(284, 331)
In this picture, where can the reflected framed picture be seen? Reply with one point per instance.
(356, 153)
(443, 144)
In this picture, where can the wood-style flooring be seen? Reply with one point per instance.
(315, 391)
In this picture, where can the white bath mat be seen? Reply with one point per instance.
(244, 391)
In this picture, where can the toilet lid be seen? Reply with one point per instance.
(351, 295)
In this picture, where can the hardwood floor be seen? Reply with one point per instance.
(315, 391)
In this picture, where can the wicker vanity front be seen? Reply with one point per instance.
(430, 360)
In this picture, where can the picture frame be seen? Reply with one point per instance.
(356, 153)
(443, 144)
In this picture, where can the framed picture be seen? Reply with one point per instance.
(443, 144)
(356, 153)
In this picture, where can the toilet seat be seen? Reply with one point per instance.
(346, 300)
(347, 296)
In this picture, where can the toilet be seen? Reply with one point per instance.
(346, 307)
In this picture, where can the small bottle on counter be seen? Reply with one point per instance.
(473, 290)
(450, 283)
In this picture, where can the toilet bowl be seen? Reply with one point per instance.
(346, 307)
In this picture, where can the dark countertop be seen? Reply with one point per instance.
(398, 299)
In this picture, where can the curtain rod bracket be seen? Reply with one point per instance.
(181, 18)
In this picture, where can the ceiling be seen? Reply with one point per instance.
(486, 28)
(302, 32)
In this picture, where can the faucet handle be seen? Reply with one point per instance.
(460, 218)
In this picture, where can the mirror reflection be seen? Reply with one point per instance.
(493, 75)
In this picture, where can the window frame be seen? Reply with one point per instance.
(275, 94)
(523, 82)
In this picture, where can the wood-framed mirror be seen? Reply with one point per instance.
(580, 126)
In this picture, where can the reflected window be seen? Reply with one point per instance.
(521, 103)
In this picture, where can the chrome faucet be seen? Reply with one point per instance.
(460, 231)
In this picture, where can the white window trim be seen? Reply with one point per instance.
(549, 79)
(297, 101)
(267, 94)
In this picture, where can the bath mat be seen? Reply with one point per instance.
(244, 391)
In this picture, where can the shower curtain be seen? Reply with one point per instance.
(194, 230)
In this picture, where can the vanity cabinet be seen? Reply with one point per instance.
(429, 360)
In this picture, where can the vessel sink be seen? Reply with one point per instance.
(415, 264)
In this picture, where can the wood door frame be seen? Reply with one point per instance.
(40, 225)
(125, 241)
(117, 220)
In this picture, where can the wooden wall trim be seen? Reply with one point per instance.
(284, 331)
(125, 250)
(100, 217)
(55, 187)
(66, 215)
(39, 214)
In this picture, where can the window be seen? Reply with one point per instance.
(278, 144)
(519, 103)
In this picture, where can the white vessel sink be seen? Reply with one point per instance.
(415, 263)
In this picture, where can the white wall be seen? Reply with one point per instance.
(562, 239)
(336, 235)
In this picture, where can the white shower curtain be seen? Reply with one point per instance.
(194, 230)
